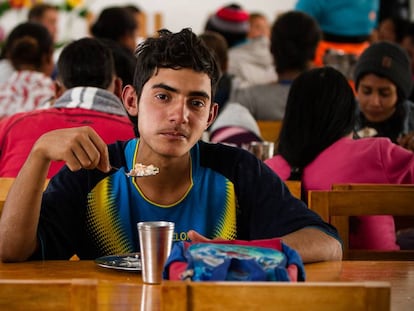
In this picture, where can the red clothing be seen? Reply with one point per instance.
(19, 132)
(368, 160)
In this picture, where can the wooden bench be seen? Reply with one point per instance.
(70, 295)
(269, 296)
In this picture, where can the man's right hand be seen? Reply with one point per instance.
(79, 147)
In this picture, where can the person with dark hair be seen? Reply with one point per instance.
(29, 48)
(46, 15)
(392, 29)
(249, 60)
(42, 13)
(294, 39)
(124, 62)
(118, 24)
(209, 191)
(88, 94)
(383, 84)
(316, 147)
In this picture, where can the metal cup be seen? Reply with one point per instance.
(155, 238)
(261, 149)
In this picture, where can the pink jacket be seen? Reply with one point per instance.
(368, 160)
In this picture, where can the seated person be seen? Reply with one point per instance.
(29, 48)
(209, 191)
(235, 126)
(383, 84)
(316, 147)
(249, 59)
(294, 38)
(87, 94)
(117, 24)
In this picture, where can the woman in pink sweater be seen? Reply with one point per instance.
(316, 147)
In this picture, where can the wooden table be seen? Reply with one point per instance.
(121, 290)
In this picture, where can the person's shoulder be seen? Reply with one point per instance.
(22, 118)
(379, 145)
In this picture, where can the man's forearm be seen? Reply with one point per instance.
(314, 245)
(20, 216)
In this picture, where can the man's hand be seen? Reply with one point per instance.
(79, 147)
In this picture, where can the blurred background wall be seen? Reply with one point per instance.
(175, 14)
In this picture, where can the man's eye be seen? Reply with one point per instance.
(198, 103)
(161, 96)
(366, 91)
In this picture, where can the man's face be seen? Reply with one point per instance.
(259, 27)
(50, 20)
(174, 110)
(377, 97)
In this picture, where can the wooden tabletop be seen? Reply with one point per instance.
(123, 290)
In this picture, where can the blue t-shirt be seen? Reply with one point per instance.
(232, 195)
(342, 17)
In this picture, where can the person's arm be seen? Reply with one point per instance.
(314, 245)
(79, 148)
(407, 141)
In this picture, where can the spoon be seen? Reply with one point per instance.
(140, 170)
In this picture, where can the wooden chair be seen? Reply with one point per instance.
(401, 222)
(295, 187)
(269, 296)
(337, 206)
(70, 295)
(5, 184)
(269, 130)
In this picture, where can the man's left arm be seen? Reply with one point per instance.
(314, 245)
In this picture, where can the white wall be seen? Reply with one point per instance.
(177, 14)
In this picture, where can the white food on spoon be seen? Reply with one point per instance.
(141, 170)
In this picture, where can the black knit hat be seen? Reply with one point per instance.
(387, 60)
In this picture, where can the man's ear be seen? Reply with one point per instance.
(213, 114)
(130, 100)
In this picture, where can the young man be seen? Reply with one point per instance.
(209, 190)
